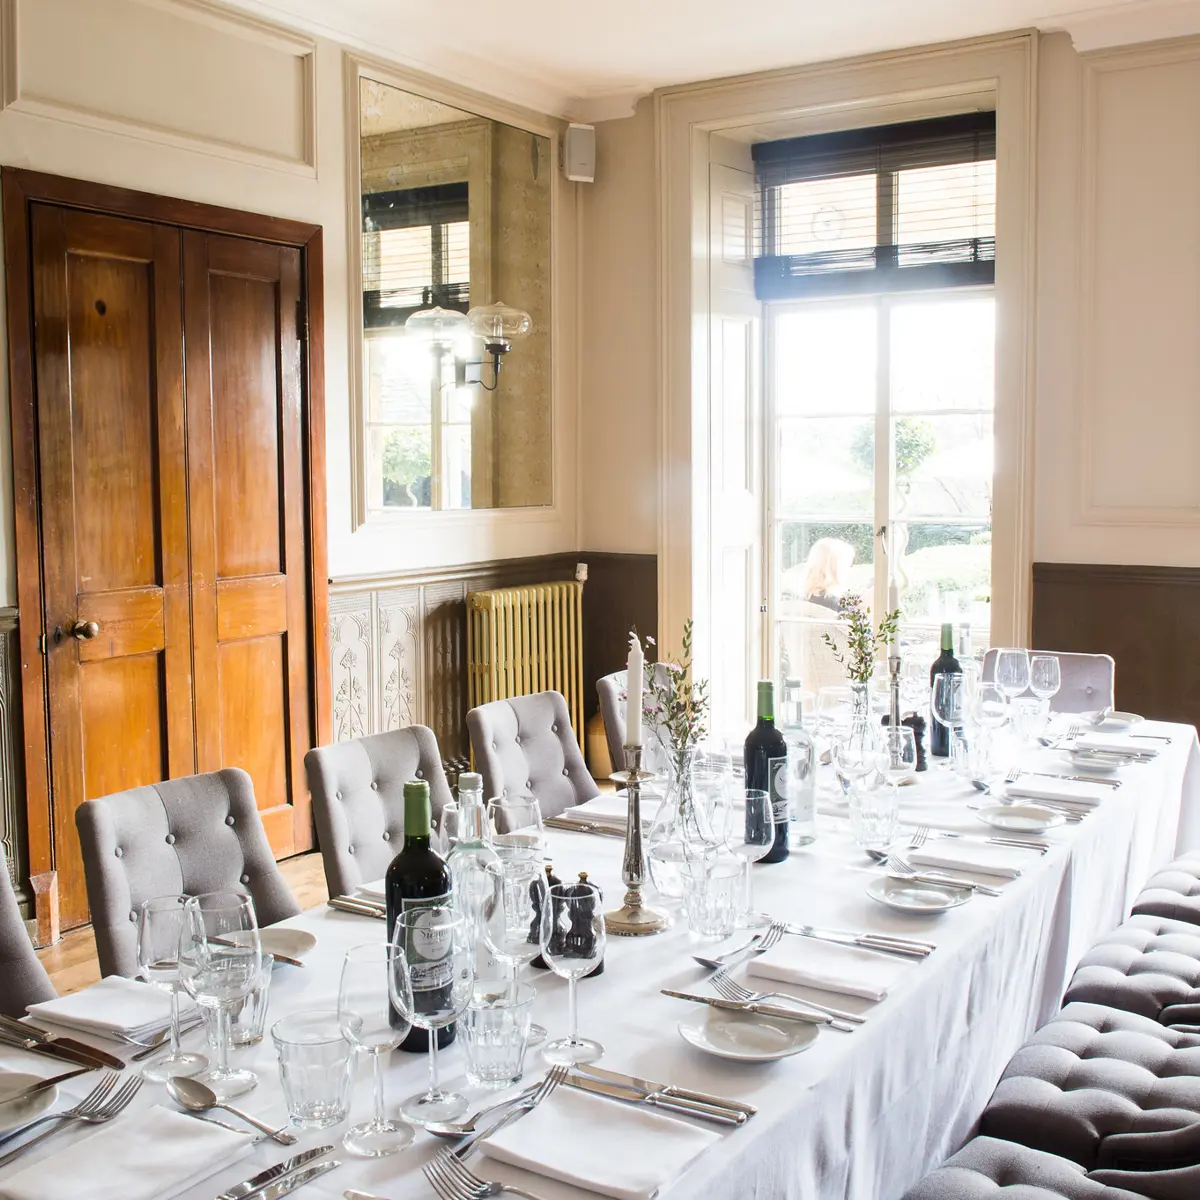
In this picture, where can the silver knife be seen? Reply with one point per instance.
(687, 1108)
(763, 1010)
(942, 880)
(1112, 783)
(240, 1190)
(864, 941)
(289, 1183)
(668, 1089)
(93, 1060)
(345, 904)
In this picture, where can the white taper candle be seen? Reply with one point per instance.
(633, 692)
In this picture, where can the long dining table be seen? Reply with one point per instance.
(862, 1114)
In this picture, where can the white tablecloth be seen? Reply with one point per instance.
(859, 1115)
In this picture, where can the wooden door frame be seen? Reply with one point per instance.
(21, 189)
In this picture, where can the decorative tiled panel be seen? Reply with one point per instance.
(397, 624)
(352, 662)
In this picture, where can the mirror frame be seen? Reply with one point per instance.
(362, 66)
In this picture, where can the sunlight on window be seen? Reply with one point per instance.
(827, 214)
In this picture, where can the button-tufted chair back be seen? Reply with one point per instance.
(186, 836)
(526, 746)
(23, 979)
(1087, 679)
(358, 800)
(613, 704)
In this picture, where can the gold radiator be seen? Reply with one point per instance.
(522, 640)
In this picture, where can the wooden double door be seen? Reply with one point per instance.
(175, 498)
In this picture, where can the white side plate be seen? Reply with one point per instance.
(22, 1111)
(910, 896)
(295, 943)
(1020, 818)
(746, 1037)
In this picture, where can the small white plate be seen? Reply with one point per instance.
(1095, 762)
(909, 895)
(22, 1111)
(295, 943)
(1119, 720)
(1020, 818)
(746, 1037)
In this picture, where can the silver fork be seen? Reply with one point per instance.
(901, 866)
(732, 990)
(922, 832)
(92, 1100)
(554, 1077)
(96, 1113)
(918, 838)
(452, 1181)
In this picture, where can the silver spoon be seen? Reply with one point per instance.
(715, 964)
(198, 1097)
(457, 1129)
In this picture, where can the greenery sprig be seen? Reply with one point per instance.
(862, 639)
(674, 704)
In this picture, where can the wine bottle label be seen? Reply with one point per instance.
(427, 946)
(777, 784)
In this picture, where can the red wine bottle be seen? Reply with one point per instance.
(766, 768)
(944, 664)
(418, 877)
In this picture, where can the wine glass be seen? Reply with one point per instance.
(573, 936)
(711, 777)
(512, 918)
(1045, 677)
(898, 757)
(446, 836)
(220, 959)
(833, 708)
(515, 827)
(946, 700)
(854, 757)
(160, 923)
(366, 1020)
(1012, 671)
(431, 979)
(751, 835)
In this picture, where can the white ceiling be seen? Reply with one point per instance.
(591, 60)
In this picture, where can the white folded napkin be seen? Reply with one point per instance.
(599, 1144)
(614, 804)
(1002, 861)
(1118, 743)
(152, 1154)
(830, 967)
(111, 1008)
(1061, 791)
(372, 891)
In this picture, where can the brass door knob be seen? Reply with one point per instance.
(85, 630)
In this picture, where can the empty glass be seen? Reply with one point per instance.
(898, 757)
(248, 1017)
(854, 756)
(515, 827)
(431, 978)
(314, 1068)
(512, 915)
(365, 1019)
(160, 924)
(833, 708)
(712, 891)
(495, 1032)
(1012, 670)
(947, 701)
(220, 960)
(1045, 677)
(751, 834)
(874, 816)
(573, 938)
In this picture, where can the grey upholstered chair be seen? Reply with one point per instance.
(613, 705)
(1093, 1074)
(186, 836)
(358, 800)
(989, 1169)
(1174, 892)
(1087, 680)
(526, 746)
(23, 979)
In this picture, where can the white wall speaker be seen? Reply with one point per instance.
(579, 153)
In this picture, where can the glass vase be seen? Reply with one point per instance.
(678, 834)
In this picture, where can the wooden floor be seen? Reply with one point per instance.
(72, 962)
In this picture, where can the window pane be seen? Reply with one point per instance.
(947, 203)
(816, 564)
(826, 214)
(405, 266)
(456, 446)
(458, 252)
(943, 354)
(946, 576)
(825, 359)
(825, 467)
(398, 378)
(400, 462)
(943, 467)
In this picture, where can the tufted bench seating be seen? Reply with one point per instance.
(1174, 893)
(1149, 966)
(1093, 1072)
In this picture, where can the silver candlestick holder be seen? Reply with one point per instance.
(894, 704)
(634, 918)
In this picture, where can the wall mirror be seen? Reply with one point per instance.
(456, 385)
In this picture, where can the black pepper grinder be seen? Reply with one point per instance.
(535, 895)
(581, 937)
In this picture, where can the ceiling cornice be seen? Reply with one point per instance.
(1128, 24)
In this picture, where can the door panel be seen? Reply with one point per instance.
(249, 553)
(114, 533)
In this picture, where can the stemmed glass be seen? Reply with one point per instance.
(573, 937)
(898, 757)
(711, 777)
(160, 923)
(365, 1019)
(512, 922)
(751, 834)
(1012, 671)
(220, 959)
(946, 701)
(1045, 677)
(515, 827)
(854, 757)
(431, 979)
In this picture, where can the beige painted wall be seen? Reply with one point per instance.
(278, 150)
(1117, 403)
